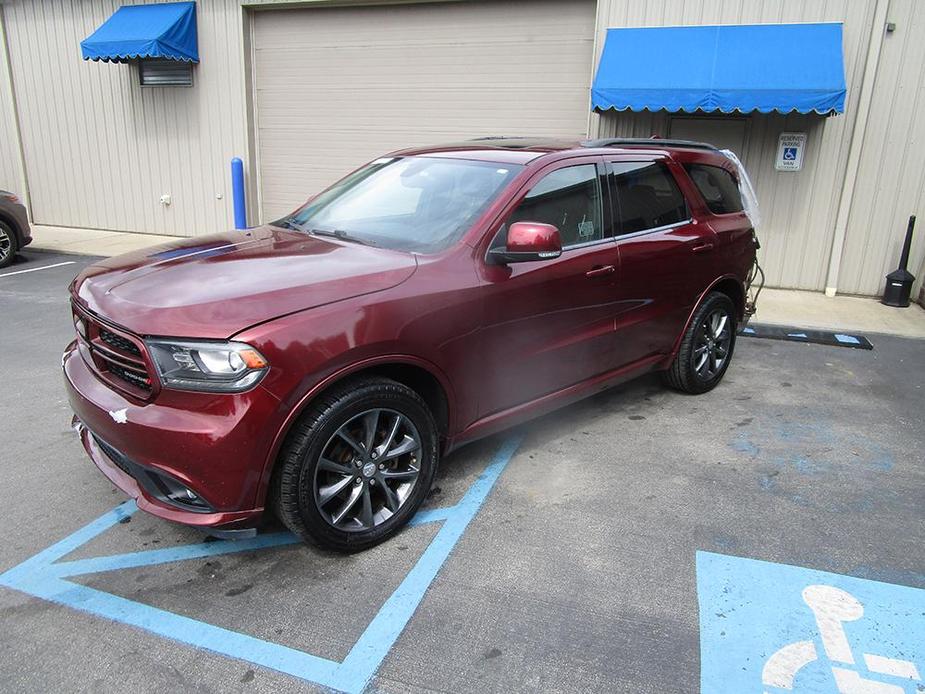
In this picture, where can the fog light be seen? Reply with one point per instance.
(186, 496)
(177, 493)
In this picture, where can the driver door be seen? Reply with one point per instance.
(549, 324)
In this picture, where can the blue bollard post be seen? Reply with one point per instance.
(237, 193)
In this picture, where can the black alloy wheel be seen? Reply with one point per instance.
(706, 347)
(367, 470)
(357, 465)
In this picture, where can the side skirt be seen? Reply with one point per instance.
(498, 421)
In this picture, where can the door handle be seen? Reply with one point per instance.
(600, 271)
(702, 248)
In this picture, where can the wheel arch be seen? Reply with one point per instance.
(421, 376)
(731, 286)
(14, 227)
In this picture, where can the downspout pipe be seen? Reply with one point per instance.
(858, 135)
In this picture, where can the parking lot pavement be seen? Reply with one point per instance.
(639, 541)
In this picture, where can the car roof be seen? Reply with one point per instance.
(508, 150)
(523, 150)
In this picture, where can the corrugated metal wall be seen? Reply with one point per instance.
(798, 209)
(10, 170)
(100, 150)
(891, 178)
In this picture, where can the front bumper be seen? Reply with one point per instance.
(214, 445)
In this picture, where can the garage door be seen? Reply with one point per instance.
(335, 87)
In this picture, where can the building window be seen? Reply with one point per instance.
(157, 72)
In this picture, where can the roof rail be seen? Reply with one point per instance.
(653, 142)
(499, 137)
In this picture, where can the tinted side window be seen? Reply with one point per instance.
(647, 196)
(570, 200)
(717, 186)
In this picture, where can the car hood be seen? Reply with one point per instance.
(216, 286)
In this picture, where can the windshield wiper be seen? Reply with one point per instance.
(341, 234)
(290, 223)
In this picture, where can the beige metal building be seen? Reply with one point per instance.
(303, 92)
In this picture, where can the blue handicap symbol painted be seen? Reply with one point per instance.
(790, 153)
(45, 574)
(775, 628)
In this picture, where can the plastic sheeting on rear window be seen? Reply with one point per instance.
(746, 189)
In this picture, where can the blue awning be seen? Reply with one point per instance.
(745, 68)
(166, 31)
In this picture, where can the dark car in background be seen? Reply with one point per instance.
(14, 227)
(321, 365)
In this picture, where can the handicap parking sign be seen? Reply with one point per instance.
(773, 628)
(790, 148)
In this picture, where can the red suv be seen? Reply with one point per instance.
(321, 365)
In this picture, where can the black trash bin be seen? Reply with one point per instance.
(899, 282)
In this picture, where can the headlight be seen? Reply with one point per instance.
(215, 367)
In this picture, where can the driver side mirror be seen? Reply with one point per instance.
(528, 241)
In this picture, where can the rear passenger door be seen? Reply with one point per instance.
(666, 257)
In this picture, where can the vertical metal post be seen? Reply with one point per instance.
(858, 135)
(237, 193)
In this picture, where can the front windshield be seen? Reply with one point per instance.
(419, 204)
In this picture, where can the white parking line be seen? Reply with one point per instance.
(35, 269)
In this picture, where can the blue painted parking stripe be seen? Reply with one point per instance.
(847, 339)
(43, 576)
(68, 544)
(431, 515)
(375, 643)
(151, 557)
(132, 560)
(187, 630)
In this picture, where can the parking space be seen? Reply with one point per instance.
(639, 541)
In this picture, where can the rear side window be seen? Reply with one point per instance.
(717, 186)
(647, 196)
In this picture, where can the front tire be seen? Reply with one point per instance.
(357, 465)
(706, 348)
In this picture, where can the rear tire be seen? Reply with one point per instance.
(357, 465)
(706, 348)
(8, 245)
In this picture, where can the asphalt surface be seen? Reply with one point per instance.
(578, 573)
